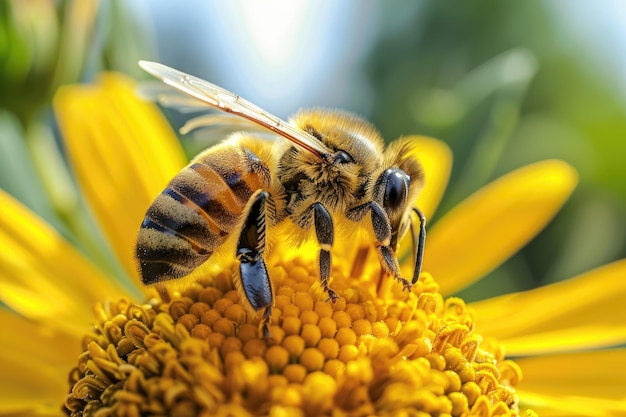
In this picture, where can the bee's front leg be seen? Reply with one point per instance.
(382, 233)
(255, 282)
(419, 247)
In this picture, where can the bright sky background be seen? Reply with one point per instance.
(284, 54)
(281, 55)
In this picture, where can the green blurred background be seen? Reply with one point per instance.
(503, 83)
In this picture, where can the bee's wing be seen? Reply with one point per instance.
(232, 103)
(205, 130)
(166, 96)
(202, 125)
(223, 121)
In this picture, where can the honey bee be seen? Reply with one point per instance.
(332, 168)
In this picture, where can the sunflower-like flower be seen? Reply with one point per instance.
(376, 351)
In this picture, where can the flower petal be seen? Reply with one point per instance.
(123, 152)
(43, 276)
(579, 384)
(580, 313)
(436, 159)
(34, 380)
(492, 224)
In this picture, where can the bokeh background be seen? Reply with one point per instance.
(503, 83)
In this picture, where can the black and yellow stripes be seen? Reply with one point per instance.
(197, 211)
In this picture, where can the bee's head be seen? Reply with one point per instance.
(356, 150)
(355, 144)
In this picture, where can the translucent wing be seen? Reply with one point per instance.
(208, 129)
(166, 96)
(229, 102)
(203, 128)
(233, 123)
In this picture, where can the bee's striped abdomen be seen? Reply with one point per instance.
(197, 211)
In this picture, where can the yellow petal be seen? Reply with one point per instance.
(436, 160)
(43, 277)
(580, 313)
(34, 379)
(579, 384)
(492, 224)
(123, 152)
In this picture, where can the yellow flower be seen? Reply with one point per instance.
(377, 351)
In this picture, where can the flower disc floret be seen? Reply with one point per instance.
(375, 351)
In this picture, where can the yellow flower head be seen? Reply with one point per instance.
(374, 352)
(378, 350)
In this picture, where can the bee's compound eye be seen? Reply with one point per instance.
(396, 188)
(342, 157)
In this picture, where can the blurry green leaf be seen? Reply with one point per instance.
(599, 230)
(128, 37)
(438, 108)
(77, 29)
(28, 48)
(504, 79)
(18, 175)
(507, 73)
(78, 224)
(51, 168)
(14, 54)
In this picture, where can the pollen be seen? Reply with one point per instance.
(376, 351)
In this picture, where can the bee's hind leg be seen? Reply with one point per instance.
(325, 233)
(255, 281)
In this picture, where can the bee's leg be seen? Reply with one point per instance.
(325, 233)
(419, 248)
(382, 232)
(255, 281)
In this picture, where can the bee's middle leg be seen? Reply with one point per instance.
(325, 233)
(255, 281)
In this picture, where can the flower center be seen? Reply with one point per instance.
(376, 351)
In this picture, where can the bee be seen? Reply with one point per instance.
(323, 167)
